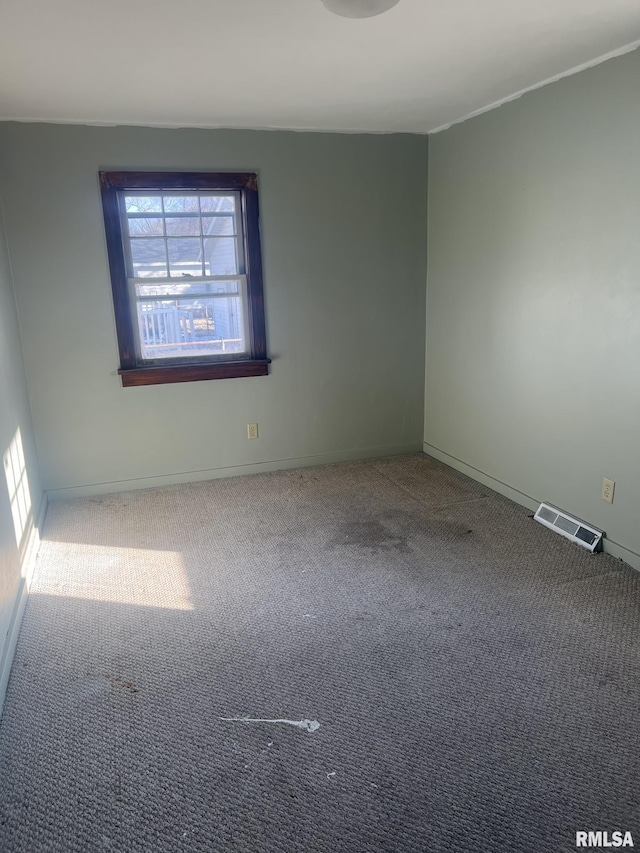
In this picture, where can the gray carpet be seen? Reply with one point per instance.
(476, 678)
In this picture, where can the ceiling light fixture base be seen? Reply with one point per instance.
(359, 8)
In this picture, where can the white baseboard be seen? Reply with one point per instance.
(28, 566)
(613, 548)
(92, 489)
(622, 553)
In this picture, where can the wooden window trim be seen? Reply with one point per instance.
(132, 371)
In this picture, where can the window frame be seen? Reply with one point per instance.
(134, 370)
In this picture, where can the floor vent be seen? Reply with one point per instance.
(571, 528)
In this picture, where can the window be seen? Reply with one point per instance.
(186, 275)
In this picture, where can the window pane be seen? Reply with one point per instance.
(181, 203)
(149, 258)
(187, 288)
(190, 328)
(217, 203)
(183, 226)
(143, 204)
(224, 287)
(185, 256)
(220, 256)
(151, 227)
(218, 225)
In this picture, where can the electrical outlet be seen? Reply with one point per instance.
(252, 430)
(608, 487)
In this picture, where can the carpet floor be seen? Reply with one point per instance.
(373, 656)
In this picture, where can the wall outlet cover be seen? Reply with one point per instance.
(608, 488)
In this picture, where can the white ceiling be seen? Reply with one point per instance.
(290, 63)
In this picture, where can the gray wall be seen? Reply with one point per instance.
(344, 243)
(533, 334)
(19, 502)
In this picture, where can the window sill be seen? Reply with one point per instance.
(133, 376)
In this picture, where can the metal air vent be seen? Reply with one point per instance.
(571, 528)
